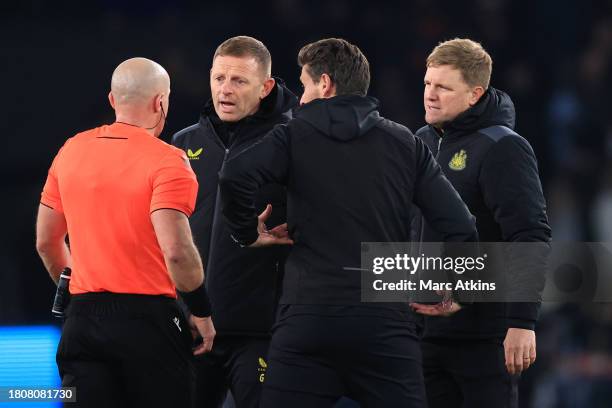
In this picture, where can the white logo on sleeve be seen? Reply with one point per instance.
(177, 321)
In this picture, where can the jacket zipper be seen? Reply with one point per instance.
(423, 218)
(217, 196)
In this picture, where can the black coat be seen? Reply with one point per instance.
(495, 172)
(243, 284)
(351, 177)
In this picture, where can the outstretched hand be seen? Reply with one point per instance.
(445, 308)
(439, 309)
(278, 235)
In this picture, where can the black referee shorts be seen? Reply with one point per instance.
(315, 359)
(468, 374)
(126, 351)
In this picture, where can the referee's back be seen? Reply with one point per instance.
(123, 196)
(107, 181)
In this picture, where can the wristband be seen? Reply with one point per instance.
(197, 301)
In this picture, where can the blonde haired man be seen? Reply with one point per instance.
(473, 357)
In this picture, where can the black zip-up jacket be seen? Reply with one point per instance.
(351, 177)
(243, 284)
(495, 172)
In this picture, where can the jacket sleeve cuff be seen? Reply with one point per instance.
(521, 324)
(245, 238)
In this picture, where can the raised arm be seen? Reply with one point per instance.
(266, 161)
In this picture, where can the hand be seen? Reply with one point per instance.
(206, 329)
(193, 328)
(278, 235)
(443, 309)
(519, 349)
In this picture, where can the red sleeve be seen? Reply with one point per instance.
(50, 195)
(174, 184)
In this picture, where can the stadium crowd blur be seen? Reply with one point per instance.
(553, 57)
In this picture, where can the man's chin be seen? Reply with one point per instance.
(227, 117)
(434, 121)
(431, 121)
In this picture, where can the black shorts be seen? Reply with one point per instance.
(126, 351)
(314, 359)
(468, 374)
(237, 363)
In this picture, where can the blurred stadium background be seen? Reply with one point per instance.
(554, 57)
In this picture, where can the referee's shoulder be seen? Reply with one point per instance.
(161, 148)
(81, 137)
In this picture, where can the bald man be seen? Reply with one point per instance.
(123, 196)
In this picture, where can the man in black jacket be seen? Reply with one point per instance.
(351, 177)
(472, 358)
(243, 283)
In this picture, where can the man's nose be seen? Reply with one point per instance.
(430, 94)
(226, 88)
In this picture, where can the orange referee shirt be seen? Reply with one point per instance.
(107, 181)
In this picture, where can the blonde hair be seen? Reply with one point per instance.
(468, 56)
(244, 46)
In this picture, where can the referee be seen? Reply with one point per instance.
(123, 196)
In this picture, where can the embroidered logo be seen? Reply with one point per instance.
(262, 369)
(194, 155)
(459, 161)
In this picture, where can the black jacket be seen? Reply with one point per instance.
(495, 172)
(243, 284)
(351, 177)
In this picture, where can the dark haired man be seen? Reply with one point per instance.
(243, 283)
(351, 177)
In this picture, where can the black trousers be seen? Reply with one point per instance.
(237, 363)
(315, 359)
(468, 374)
(126, 351)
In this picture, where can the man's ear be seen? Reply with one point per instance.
(328, 88)
(268, 85)
(475, 95)
(157, 102)
(111, 99)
